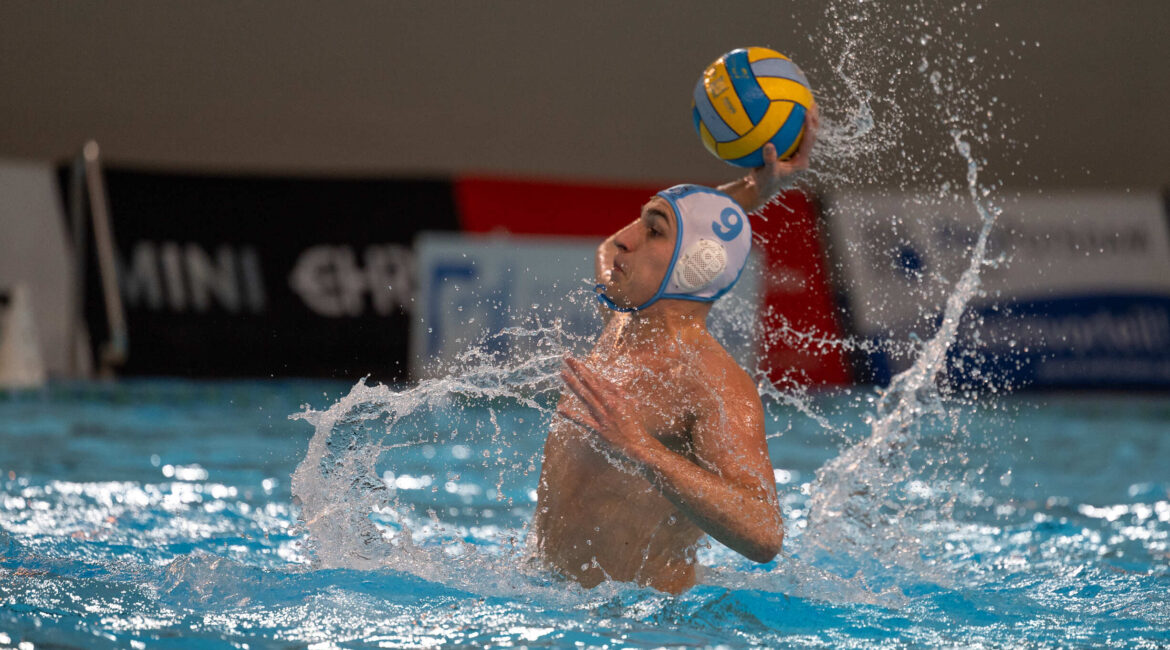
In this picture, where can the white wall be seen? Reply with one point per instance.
(33, 252)
(595, 90)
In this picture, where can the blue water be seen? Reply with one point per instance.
(159, 514)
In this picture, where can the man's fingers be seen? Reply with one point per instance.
(812, 123)
(580, 419)
(587, 397)
(601, 388)
(769, 154)
(769, 175)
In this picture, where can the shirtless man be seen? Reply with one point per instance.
(660, 437)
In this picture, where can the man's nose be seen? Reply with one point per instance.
(626, 238)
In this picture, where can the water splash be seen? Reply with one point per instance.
(852, 505)
(374, 496)
(874, 500)
(879, 499)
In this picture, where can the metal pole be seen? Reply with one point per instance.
(79, 366)
(114, 351)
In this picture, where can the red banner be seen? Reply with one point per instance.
(547, 208)
(801, 342)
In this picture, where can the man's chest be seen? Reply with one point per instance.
(666, 398)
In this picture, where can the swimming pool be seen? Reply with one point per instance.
(159, 513)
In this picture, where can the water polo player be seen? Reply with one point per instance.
(660, 438)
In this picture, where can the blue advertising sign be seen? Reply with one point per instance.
(1076, 293)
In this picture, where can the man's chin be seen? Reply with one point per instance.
(623, 301)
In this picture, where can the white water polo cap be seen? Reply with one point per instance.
(710, 251)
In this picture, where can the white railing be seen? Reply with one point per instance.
(87, 183)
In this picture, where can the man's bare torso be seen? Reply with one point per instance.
(598, 519)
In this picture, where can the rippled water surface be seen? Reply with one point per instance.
(159, 514)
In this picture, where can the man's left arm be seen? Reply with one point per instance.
(731, 496)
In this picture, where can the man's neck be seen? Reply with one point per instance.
(681, 320)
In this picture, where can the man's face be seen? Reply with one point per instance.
(644, 251)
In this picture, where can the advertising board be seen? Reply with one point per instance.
(1075, 293)
(266, 276)
(508, 297)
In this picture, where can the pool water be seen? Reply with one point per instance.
(161, 514)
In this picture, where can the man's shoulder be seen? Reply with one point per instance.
(724, 373)
(725, 390)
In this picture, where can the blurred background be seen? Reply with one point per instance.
(368, 188)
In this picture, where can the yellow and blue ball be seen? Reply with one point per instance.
(748, 98)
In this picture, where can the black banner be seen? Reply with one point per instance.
(261, 276)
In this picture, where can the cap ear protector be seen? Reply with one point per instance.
(710, 250)
(699, 265)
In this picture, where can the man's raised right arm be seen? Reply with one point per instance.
(753, 191)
